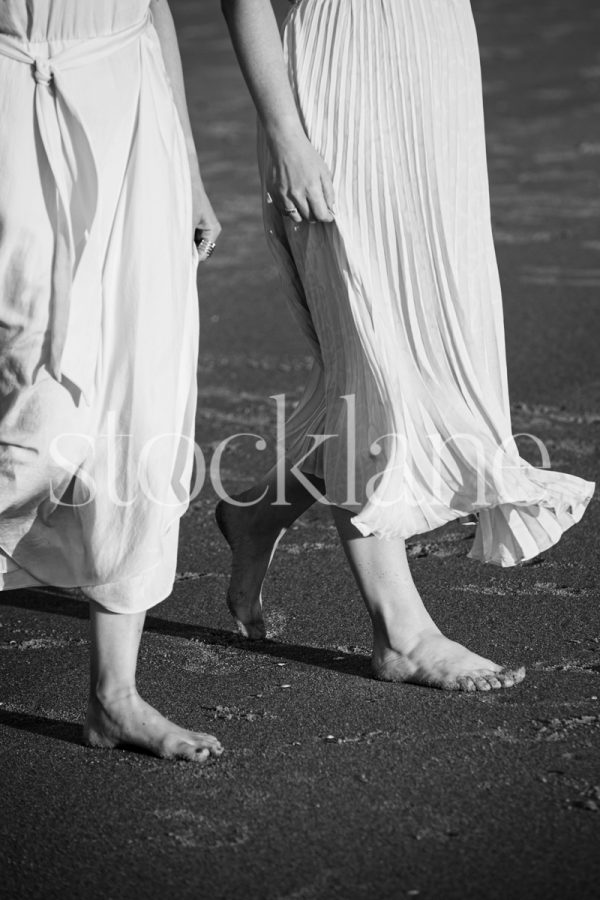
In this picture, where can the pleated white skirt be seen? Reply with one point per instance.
(400, 297)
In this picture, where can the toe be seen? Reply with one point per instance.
(208, 742)
(257, 632)
(518, 675)
(252, 631)
(466, 683)
(509, 677)
(191, 752)
(199, 754)
(215, 749)
(491, 677)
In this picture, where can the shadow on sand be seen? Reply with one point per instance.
(58, 729)
(58, 602)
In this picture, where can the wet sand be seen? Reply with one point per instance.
(333, 785)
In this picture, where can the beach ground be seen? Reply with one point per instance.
(334, 785)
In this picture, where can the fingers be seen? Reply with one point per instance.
(205, 223)
(310, 207)
(205, 239)
(300, 182)
(295, 206)
(314, 204)
(207, 228)
(284, 205)
(329, 193)
(320, 211)
(205, 248)
(295, 210)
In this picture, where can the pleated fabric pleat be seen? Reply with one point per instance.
(400, 297)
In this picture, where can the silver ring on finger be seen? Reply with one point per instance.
(290, 211)
(206, 247)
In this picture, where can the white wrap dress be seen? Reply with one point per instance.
(406, 414)
(98, 303)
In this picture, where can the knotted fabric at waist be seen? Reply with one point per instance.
(62, 127)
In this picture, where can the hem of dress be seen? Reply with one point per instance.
(491, 553)
(17, 580)
(92, 593)
(20, 579)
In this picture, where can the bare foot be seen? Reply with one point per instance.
(130, 721)
(435, 661)
(251, 557)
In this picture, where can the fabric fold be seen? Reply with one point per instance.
(96, 253)
(400, 297)
(71, 160)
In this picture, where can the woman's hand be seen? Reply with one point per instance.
(206, 226)
(300, 186)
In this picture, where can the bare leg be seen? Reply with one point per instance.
(407, 644)
(117, 715)
(253, 533)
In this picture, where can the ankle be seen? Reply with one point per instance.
(108, 694)
(254, 520)
(263, 527)
(401, 637)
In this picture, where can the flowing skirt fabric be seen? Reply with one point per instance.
(95, 457)
(406, 413)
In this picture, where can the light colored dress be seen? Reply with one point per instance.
(98, 304)
(400, 297)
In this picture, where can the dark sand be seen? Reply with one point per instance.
(334, 785)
